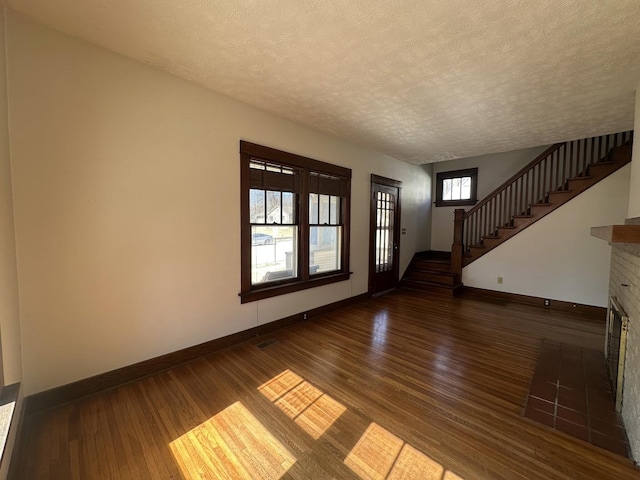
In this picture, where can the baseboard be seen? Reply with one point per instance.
(598, 314)
(71, 392)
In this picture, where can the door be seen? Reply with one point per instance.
(384, 240)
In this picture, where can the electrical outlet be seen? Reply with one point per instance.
(547, 302)
(500, 280)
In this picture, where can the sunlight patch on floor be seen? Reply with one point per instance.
(231, 444)
(310, 408)
(380, 455)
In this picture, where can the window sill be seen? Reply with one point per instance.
(455, 203)
(268, 292)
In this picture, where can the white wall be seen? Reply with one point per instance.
(493, 170)
(556, 257)
(127, 188)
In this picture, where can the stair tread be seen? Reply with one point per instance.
(585, 177)
(438, 290)
(430, 264)
(434, 272)
(431, 260)
(433, 284)
(433, 256)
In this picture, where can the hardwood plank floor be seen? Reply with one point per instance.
(401, 386)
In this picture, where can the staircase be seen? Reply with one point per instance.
(432, 272)
(560, 173)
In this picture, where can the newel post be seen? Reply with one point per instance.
(457, 247)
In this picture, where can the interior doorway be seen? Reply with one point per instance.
(384, 239)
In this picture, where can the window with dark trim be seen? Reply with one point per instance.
(295, 222)
(457, 188)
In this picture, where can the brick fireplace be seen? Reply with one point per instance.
(624, 284)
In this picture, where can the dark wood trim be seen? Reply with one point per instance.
(346, 226)
(457, 248)
(455, 203)
(304, 167)
(245, 226)
(273, 291)
(304, 234)
(389, 182)
(593, 313)
(279, 156)
(514, 177)
(372, 215)
(467, 172)
(71, 392)
(502, 215)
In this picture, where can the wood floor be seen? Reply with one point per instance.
(397, 387)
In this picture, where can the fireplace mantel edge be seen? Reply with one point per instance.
(626, 237)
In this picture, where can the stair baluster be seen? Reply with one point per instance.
(555, 171)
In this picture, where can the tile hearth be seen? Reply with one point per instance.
(570, 392)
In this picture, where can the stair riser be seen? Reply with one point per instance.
(426, 266)
(556, 198)
(444, 279)
(520, 222)
(538, 211)
(490, 243)
(443, 291)
(596, 172)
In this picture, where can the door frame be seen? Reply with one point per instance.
(378, 180)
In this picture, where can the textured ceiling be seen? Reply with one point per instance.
(420, 80)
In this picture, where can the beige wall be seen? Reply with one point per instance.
(493, 170)
(9, 305)
(556, 257)
(126, 184)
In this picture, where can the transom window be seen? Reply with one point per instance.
(457, 188)
(295, 213)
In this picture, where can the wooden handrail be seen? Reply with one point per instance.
(547, 173)
(513, 178)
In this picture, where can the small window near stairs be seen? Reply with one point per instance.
(457, 188)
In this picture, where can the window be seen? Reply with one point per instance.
(295, 222)
(457, 188)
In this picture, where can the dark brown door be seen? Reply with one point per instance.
(384, 242)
